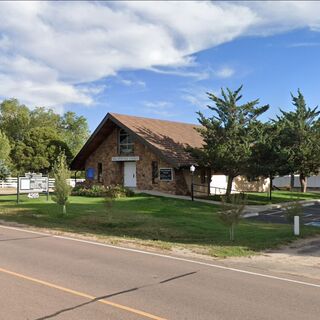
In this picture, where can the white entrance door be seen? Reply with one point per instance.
(130, 179)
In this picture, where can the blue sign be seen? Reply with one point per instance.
(90, 173)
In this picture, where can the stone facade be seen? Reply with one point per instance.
(113, 171)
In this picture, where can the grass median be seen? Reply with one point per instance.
(150, 221)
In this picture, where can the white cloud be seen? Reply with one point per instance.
(47, 49)
(225, 72)
(160, 108)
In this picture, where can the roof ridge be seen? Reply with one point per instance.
(154, 119)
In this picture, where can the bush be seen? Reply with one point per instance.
(91, 191)
(97, 190)
(118, 191)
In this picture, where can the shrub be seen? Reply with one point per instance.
(91, 191)
(118, 191)
(97, 190)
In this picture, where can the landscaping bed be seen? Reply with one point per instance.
(150, 221)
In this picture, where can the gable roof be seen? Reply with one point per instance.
(167, 139)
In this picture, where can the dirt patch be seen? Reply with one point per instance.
(301, 258)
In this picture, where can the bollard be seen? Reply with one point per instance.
(296, 225)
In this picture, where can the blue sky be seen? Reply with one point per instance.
(141, 59)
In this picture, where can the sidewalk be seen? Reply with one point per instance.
(249, 210)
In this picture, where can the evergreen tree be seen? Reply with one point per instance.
(299, 138)
(267, 158)
(228, 134)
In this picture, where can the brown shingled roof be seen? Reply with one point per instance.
(166, 138)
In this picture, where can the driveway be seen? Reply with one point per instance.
(311, 215)
(50, 277)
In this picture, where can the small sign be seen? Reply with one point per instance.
(33, 195)
(132, 158)
(90, 173)
(165, 174)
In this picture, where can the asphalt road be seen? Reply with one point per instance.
(311, 215)
(45, 277)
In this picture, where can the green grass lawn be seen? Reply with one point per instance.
(262, 198)
(151, 221)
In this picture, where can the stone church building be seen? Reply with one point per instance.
(142, 153)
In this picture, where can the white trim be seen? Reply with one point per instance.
(124, 158)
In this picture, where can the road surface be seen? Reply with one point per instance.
(47, 277)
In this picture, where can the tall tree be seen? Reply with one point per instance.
(267, 158)
(4, 147)
(228, 134)
(75, 131)
(14, 120)
(299, 138)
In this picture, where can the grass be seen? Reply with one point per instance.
(151, 221)
(262, 198)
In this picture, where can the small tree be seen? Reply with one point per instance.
(293, 209)
(231, 214)
(62, 188)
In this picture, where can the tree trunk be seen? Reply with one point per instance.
(231, 230)
(64, 209)
(291, 181)
(209, 175)
(229, 186)
(303, 182)
(270, 188)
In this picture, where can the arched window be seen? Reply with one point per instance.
(125, 142)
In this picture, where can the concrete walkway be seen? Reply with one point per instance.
(250, 210)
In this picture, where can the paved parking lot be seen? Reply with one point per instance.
(311, 215)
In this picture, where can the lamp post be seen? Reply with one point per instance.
(192, 169)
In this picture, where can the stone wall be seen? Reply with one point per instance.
(113, 172)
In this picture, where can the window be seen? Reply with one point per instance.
(155, 171)
(99, 172)
(125, 142)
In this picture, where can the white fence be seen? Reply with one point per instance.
(281, 182)
(12, 183)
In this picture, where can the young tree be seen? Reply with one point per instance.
(62, 188)
(230, 215)
(228, 134)
(299, 138)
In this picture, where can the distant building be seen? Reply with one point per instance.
(143, 153)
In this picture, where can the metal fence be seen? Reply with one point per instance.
(12, 183)
(202, 190)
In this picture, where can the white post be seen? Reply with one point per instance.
(296, 225)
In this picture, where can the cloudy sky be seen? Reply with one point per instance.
(157, 59)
